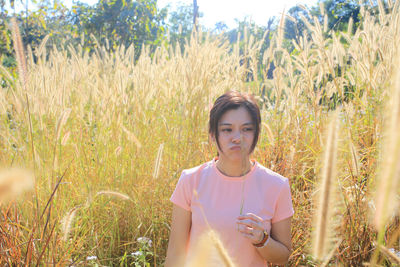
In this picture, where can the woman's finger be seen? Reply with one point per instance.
(245, 229)
(253, 235)
(251, 216)
(251, 224)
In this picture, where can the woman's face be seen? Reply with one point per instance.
(236, 131)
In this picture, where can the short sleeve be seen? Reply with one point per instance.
(182, 195)
(284, 207)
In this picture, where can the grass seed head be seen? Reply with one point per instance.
(322, 216)
(209, 251)
(67, 221)
(114, 194)
(389, 176)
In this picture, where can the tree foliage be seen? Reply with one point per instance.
(121, 22)
(181, 24)
(139, 22)
(338, 13)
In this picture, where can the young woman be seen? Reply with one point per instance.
(246, 204)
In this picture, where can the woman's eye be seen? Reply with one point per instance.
(226, 130)
(248, 129)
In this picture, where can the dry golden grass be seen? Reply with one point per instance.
(323, 225)
(387, 203)
(102, 123)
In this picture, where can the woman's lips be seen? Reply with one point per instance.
(235, 148)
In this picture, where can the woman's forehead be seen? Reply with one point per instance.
(236, 116)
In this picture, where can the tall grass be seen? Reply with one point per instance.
(102, 123)
(323, 225)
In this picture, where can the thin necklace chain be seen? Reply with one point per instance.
(223, 172)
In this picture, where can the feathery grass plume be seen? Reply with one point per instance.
(243, 170)
(209, 251)
(66, 222)
(396, 6)
(202, 252)
(323, 13)
(19, 52)
(13, 182)
(389, 174)
(209, 239)
(132, 137)
(41, 52)
(118, 150)
(350, 26)
(322, 222)
(61, 121)
(157, 163)
(306, 22)
(381, 12)
(65, 138)
(331, 253)
(322, 8)
(392, 256)
(30, 58)
(302, 7)
(281, 30)
(292, 19)
(23, 73)
(325, 22)
(114, 194)
(37, 158)
(269, 133)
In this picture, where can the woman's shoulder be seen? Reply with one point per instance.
(270, 176)
(195, 170)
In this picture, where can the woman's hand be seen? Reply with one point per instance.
(251, 226)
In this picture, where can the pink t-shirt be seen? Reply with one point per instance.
(266, 194)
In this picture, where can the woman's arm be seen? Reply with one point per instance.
(180, 228)
(279, 247)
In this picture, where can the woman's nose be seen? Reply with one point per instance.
(236, 137)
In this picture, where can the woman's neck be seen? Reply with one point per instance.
(234, 169)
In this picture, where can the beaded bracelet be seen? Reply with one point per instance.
(264, 241)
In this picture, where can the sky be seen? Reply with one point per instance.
(258, 11)
(226, 11)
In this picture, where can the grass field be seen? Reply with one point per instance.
(107, 140)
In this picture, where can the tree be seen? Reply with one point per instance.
(122, 22)
(220, 26)
(181, 24)
(49, 19)
(295, 29)
(6, 50)
(339, 13)
(248, 28)
(195, 14)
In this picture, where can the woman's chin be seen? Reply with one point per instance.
(236, 157)
(233, 155)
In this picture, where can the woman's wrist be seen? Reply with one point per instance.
(263, 241)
